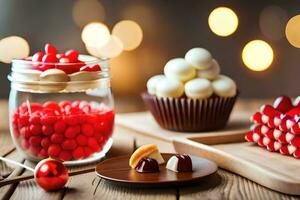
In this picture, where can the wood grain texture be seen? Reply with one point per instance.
(227, 186)
(144, 124)
(272, 170)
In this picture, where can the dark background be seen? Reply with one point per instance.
(171, 27)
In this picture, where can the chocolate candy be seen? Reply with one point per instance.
(147, 165)
(180, 163)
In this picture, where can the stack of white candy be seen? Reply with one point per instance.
(197, 75)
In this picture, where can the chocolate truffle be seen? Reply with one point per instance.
(180, 163)
(147, 165)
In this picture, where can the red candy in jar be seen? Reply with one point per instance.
(60, 113)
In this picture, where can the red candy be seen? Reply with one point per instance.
(64, 130)
(72, 55)
(91, 68)
(283, 104)
(37, 57)
(277, 127)
(50, 49)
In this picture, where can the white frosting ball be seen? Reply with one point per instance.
(169, 88)
(224, 86)
(210, 73)
(199, 88)
(179, 69)
(199, 58)
(152, 83)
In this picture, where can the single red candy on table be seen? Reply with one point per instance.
(51, 174)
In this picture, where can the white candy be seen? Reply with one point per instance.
(210, 73)
(152, 83)
(54, 75)
(199, 88)
(179, 69)
(224, 86)
(84, 76)
(169, 88)
(199, 58)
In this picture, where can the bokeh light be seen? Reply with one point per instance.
(13, 47)
(129, 32)
(272, 22)
(85, 11)
(292, 31)
(257, 55)
(95, 34)
(111, 49)
(223, 21)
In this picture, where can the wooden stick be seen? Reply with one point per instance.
(27, 177)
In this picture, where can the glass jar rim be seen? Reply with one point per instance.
(93, 60)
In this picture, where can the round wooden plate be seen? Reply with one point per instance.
(118, 171)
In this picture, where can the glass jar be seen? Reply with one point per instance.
(70, 120)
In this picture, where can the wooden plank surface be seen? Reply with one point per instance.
(225, 185)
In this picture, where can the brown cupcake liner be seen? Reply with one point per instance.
(190, 115)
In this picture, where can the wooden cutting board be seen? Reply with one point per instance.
(227, 148)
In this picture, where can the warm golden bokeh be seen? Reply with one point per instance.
(95, 34)
(223, 21)
(292, 31)
(85, 11)
(13, 47)
(129, 32)
(257, 55)
(111, 49)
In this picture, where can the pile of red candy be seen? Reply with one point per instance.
(277, 127)
(68, 61)
(65, 130)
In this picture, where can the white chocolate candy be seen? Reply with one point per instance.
(84, 76)
(210, 73)
(169, 88)
(199, 58)
(54, 75)
(179, 69)
(152, 83)
(224, 86)
(199, 88)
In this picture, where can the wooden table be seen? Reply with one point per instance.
(223, 185)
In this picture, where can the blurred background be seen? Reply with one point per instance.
(158, 30)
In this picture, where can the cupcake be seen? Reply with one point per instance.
(191, 95)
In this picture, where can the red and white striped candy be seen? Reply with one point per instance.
(296, 129)
(264, 129)
(277, 133)
(265, 119)
(289, 137)
(274, 146)
(270, 134)
(291, 149)
(295, 141)
(284, 150)
(286, 123)
(256, 118)
(260, 142)
(282, 139)
(274, 121)
(249, 136)
(266, 141)
(256, 137)
(296, 154)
